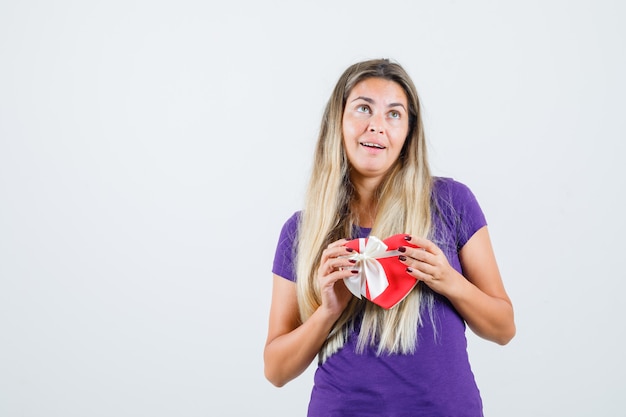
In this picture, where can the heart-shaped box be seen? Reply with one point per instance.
(382, 278)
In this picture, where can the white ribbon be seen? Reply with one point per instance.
(371, 273)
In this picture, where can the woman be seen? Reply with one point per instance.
(371, 178)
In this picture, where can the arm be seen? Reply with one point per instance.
(484, 304)
(291, 345)
(479, 296)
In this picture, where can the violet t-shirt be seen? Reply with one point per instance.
(436, 380)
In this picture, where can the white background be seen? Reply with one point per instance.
(150, 151)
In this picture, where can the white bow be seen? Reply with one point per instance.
(371, 273)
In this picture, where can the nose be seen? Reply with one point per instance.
(376, 125)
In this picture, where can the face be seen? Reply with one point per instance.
(375, 127)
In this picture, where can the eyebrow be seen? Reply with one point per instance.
(371, 101)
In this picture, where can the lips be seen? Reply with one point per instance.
(372, 145)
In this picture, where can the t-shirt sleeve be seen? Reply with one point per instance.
(460, 208)
(285, 255)
(471, 216)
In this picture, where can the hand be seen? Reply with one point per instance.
(428, 263)
(334, 267)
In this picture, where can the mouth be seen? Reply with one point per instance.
(372, 145)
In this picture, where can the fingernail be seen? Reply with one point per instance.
(407, 237)
(402, 249)
(352, 261)
(349, 249)
(402, 257)
(409, 270)
(355, 271)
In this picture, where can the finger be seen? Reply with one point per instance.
(337, 243)
(418, 265)
(418, 254)
(336, 249)
(329, 280)
(419, 275)
(424, 244)
(341, 263)
(336, 259)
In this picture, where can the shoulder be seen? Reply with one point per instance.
(291, 224)
(289, 230)
(284, 257)
(449, 186)
(457, 206)
(450, 192)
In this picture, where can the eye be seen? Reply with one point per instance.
(363, 108)
(394, 114)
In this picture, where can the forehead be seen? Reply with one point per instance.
(380, 90)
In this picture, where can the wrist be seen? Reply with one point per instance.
(328, 314)
(459, 286)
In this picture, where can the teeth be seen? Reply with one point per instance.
(372, 145)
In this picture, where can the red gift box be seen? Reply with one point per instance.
(382, 278)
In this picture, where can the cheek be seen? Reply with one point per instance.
(348, 134)
(353, 127)
(400, 135)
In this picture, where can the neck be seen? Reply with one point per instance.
(365, 205)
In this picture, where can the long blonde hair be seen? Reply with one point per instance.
(404, 198)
